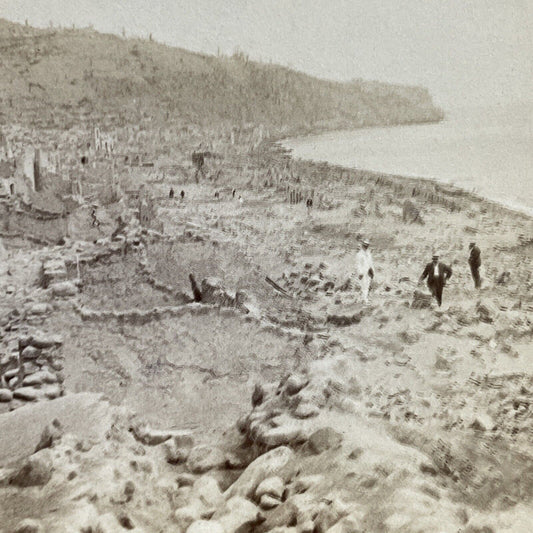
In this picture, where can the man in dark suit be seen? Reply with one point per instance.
(437, 275)
(474, 260)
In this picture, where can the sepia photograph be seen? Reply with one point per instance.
(266, 266)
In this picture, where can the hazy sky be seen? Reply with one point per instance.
(464, 51)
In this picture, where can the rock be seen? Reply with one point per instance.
(213, 292)
(28, 394)
(267, 465)
(51, 434)
(203, 458)
(30, 352)
(63, 289)
(5, 395)
(206, 489)
(306, 410)
(125, 521)
(238, 513)
(36, 470)
(173, 454)
(185, 480)
(273, 486)
(304, 507)
(421, 300)
(185, 516)
(206, 526)
(410, 336)
(329, 515)
(153, 437)
(486, 311)
(39, 309)
(29, 525)
(43, 376)
(258, 395)
(280, 436)
(52, 391)
(483, 422)
(324, 439)
(295, 383)
(268, 502)
(41, 340)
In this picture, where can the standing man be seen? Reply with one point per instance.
(437, 275)
(171, 193)
(365, 269)
(474, 260)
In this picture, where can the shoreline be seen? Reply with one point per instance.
(413, 180)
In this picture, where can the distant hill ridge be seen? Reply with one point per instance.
(60, 71)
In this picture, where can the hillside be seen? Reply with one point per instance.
(60, 72)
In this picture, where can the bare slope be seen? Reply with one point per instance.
(82, 70)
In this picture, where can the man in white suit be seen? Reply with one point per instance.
(365, 269)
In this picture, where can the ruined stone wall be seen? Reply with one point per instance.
(48, 228)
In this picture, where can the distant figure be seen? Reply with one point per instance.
(198, 160)
(241, 201)
(437, 275)
(309, 205)
(95, 222)
(171, 193)
(233, 193)
(474, 260)
(365, 269)
(182, 194)
(217, 196)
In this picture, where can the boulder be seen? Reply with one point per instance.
(324, 439)
(185, 516)
(52, 391)
(281, 436)
(268, 502)
(43, 340)
(486, 311)
(421, 300)
(203, 458)
(213, 292)
(5, 395)
(36, 470)
(273, 463)
(38, 378)
(295, 383)
(30, 353)
(206, 489)
(483, 422)
(238, 513)
(273, 486)
(330, 514)
(306, 410)
(64, 289)
(28, 394)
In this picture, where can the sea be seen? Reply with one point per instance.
(485, 150)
